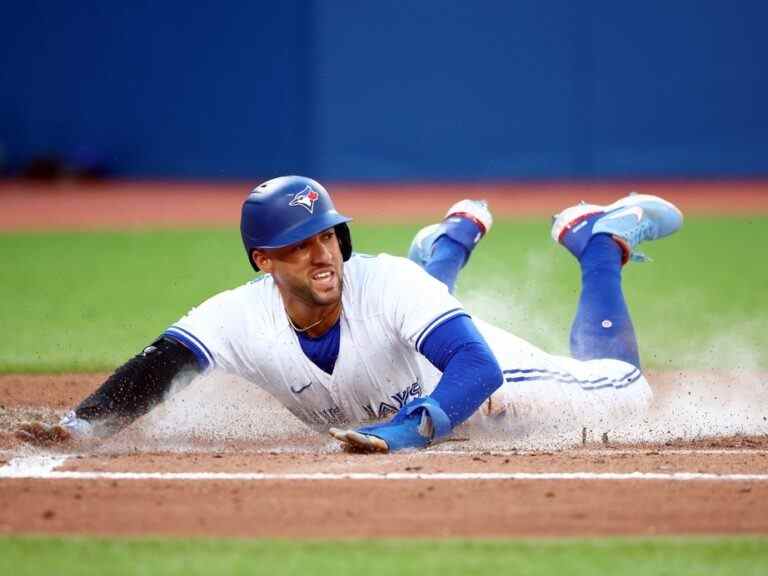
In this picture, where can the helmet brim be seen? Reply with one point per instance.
(305, 230)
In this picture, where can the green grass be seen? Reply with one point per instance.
(87, 301)
(628, 557)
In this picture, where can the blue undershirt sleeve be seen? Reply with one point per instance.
(470, 370)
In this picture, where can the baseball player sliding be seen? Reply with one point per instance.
(376, 350)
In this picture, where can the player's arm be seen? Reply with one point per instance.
(470, 375)
(130, 392)
(470, 370)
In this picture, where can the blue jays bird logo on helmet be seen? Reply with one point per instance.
(305, 198)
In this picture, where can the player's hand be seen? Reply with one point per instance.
(357, 443)
(416, 425)
(386, 437)
(39, 434)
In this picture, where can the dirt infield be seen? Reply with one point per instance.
(399, 508)
(300, 485)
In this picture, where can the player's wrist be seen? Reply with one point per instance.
(400, 436)
(417, 425)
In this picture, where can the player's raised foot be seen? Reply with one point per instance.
(466, 222)
(421, 245)
(631, 220)
(475, 210)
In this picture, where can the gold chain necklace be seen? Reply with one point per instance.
(301, 330)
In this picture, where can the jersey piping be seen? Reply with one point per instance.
(437, 322)
(204, 357)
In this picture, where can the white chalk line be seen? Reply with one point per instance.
(606, 452)
(43, 468)
(32, 465)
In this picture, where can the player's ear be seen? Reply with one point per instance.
(261, 260)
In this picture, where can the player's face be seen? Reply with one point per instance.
(309, 271)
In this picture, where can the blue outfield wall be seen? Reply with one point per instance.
(387, 90)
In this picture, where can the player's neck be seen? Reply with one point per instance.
(313, 321)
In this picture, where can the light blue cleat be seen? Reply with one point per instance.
(631, 220)
(421, 245)
(466, 222)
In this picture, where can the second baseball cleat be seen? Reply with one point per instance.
(467, 222)
(631, 220)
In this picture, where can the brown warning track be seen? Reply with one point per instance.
(74, 206)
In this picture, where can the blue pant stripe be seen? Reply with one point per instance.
(565, 378)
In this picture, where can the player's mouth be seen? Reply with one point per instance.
(324, 279)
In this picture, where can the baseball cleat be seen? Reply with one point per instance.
(421, 245)
(353, 441)
(631, 220)
(467, 222)
(475, 210)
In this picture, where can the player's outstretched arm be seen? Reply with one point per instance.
(131, 391)
(470, 375)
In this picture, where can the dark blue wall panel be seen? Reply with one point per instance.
(434, 89)
(443, 89)
(680, 88)
(162, 88)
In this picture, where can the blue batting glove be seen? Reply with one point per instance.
(416, 425)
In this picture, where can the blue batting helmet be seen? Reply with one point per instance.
(289, 209)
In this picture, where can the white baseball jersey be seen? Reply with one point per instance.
(389, 306)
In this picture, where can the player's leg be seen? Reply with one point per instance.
(603, 239)
(602, 327)
(443, 249)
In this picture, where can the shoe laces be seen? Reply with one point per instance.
(643, 231)
(639, 257)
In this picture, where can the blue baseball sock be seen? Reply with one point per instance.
(447, 259)
(456, 238)
(602, 327)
